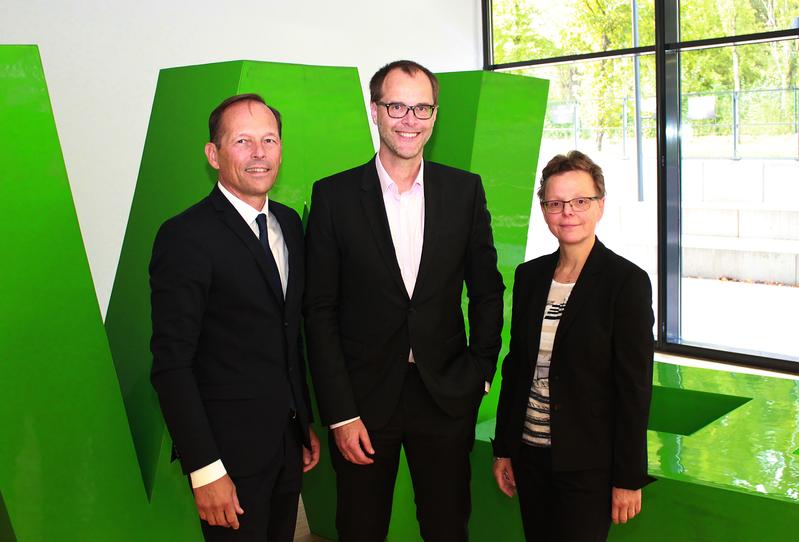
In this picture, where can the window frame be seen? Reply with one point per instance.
(667, 49)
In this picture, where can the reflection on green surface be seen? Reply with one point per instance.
(733, 475)
(684, 412)
(749, 450)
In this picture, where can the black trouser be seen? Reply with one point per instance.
(437, 449)
(562, 506)
(269, 498)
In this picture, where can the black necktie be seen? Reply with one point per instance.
(263, 237)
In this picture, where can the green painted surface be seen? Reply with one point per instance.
(492, 123)
(684, 412)
(72, 468)
(174, 175)
(489, 123)
(6, 530)
(733, 478)
(68, 469)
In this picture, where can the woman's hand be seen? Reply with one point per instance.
(503, 474)
(625, 504)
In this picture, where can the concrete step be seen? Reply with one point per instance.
(746, 221)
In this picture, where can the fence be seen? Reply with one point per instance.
(762, 123)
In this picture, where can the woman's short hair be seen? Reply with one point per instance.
(572, 161)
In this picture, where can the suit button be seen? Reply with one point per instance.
(556, 407)
(285, 324)
(411, 310)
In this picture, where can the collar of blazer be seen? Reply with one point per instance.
(583, 290)
(232, 219)
(375, 209)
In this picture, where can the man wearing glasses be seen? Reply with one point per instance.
(390, 245)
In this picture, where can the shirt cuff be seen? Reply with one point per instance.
(488, 387)
(207, 474)
(345, 422)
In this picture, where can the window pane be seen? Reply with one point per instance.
(740, 198)
(534, 29)
(700, 19)
(592, 107)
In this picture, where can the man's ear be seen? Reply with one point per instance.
(373, 109)
(210, 154)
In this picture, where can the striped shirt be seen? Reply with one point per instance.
(536, 424)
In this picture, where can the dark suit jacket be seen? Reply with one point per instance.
(227, 363)
(600, 377)
(360, 322)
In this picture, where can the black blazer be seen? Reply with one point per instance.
(227, 363)
(360, 322)
(600, 378)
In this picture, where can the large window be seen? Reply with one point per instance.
(692, 109)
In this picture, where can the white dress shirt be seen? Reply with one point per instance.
(216, 470)
(405, 213)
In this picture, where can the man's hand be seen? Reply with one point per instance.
(503, 474)
(353, 443)
(310, 457)
(218, 504)
(625, 504)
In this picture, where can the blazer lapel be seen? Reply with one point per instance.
(232, 219)
(584, 288)
(433, 212)
(375, 211)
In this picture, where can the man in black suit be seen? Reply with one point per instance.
(390, 245)
(227, 277)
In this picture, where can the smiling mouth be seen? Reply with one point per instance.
(408, 135)
(258, 170)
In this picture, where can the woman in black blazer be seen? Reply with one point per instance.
(577, 381)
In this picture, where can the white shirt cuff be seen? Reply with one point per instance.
(207, 474)
(488, 387)
(345, 422)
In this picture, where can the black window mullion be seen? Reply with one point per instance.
(488, 35)
(667, 66)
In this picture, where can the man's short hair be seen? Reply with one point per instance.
(407, 66)
(573, 161)
(215, 118)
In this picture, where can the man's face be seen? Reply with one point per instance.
(404, 138)
(249, 153)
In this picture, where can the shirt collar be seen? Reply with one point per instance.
(387, 184)
(248, 213)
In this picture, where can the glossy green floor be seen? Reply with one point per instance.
(722, 447)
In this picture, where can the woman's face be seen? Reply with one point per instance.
(572, 227)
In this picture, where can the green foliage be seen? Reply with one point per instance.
(534, 29)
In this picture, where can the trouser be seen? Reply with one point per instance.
(437, 448)
(561, 506)
(269, 498)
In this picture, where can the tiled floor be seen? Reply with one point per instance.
(303, 532)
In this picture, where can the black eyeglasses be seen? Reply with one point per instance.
(397, 110)
(580, 204)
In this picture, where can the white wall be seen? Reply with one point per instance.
(101, 61)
